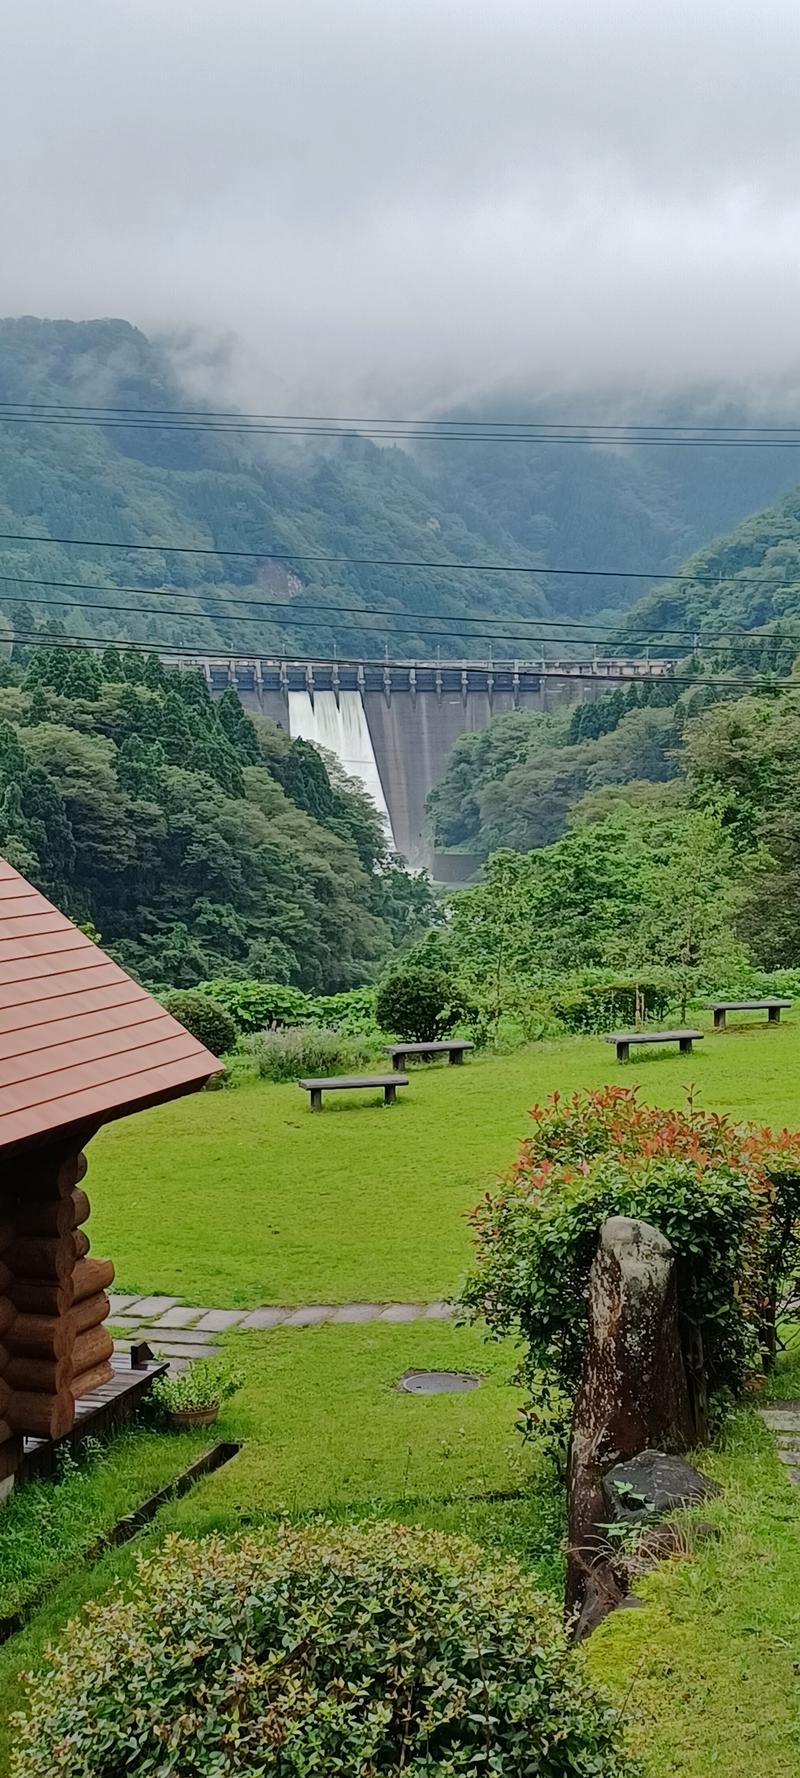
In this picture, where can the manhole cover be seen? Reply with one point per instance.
(438, 1382)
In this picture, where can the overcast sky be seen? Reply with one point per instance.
(398, 199)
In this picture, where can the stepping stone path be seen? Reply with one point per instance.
(176, 1331)
(783, 1418)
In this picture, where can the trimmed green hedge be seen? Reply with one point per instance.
(372, 1652)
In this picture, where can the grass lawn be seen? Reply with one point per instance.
(244, 1197)
(707, 1671)
(47, 1526)
(325, 1430)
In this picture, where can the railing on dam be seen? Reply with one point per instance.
(284, 674)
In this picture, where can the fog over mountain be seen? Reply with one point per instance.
(411, 204)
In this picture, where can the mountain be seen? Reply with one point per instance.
(64, 476)
(747, 580)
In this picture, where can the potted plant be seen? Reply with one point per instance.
(194, 1397)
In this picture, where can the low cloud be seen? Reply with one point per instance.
(395, 201)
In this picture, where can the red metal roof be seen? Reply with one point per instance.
(80, 1041)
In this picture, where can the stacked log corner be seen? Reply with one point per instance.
(55, 1348)
(10, 1441)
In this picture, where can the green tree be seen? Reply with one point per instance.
(685, 922)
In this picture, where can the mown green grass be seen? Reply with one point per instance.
(707, 1671)
(47, 1525)
(245, 1197)
(326, 1431)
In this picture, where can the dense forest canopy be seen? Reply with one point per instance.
(198, 843)
(688, 876)
(519, 781)
(440, 501)
(747, 580)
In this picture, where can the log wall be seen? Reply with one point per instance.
(10, 1442)
(54, 1347)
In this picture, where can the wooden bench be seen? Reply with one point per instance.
(721, 1008)
(454, 1048)
(346, 1082)
(624, 1039)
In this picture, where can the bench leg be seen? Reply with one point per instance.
(456, 1058)
(719, 1019)
(773, 1015)
(623, 1052)
(398, 1063)
(389, 1095)
(685, 1045)
(315, 1096)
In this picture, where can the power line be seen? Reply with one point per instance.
(399, 562)
(296, 613)
(232, 416)
(171, 649)
(207, 590)
(393, 630)
(667, 651)
(399, 434)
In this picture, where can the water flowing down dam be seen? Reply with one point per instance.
(340, 725)
(393, 724)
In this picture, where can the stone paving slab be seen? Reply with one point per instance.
(178, 1349)
(147, 1316)
(154, 1335)
(782, 1419)
(147, 1306)
(217, 1320)
(357, 1312)
(180, 1317)
(310, 1316)
(183, 1336)
(265, 1318)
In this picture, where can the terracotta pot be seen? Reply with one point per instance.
(185, 1417)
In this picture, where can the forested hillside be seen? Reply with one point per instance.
(520, 782)
(747, 580)
(431, 502)
(197, 842)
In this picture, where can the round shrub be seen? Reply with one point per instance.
(374, 1651)
(204, 1017)
(717, 1195)
(418, 1001)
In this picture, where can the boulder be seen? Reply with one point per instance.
(633, 1394)
(651, 1485)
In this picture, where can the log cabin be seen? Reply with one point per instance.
(81, 1043)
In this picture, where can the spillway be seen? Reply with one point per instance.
(340, 726)
(393, 724)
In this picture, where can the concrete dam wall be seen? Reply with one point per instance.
(392, 724)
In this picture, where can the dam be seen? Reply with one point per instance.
(392, 724)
